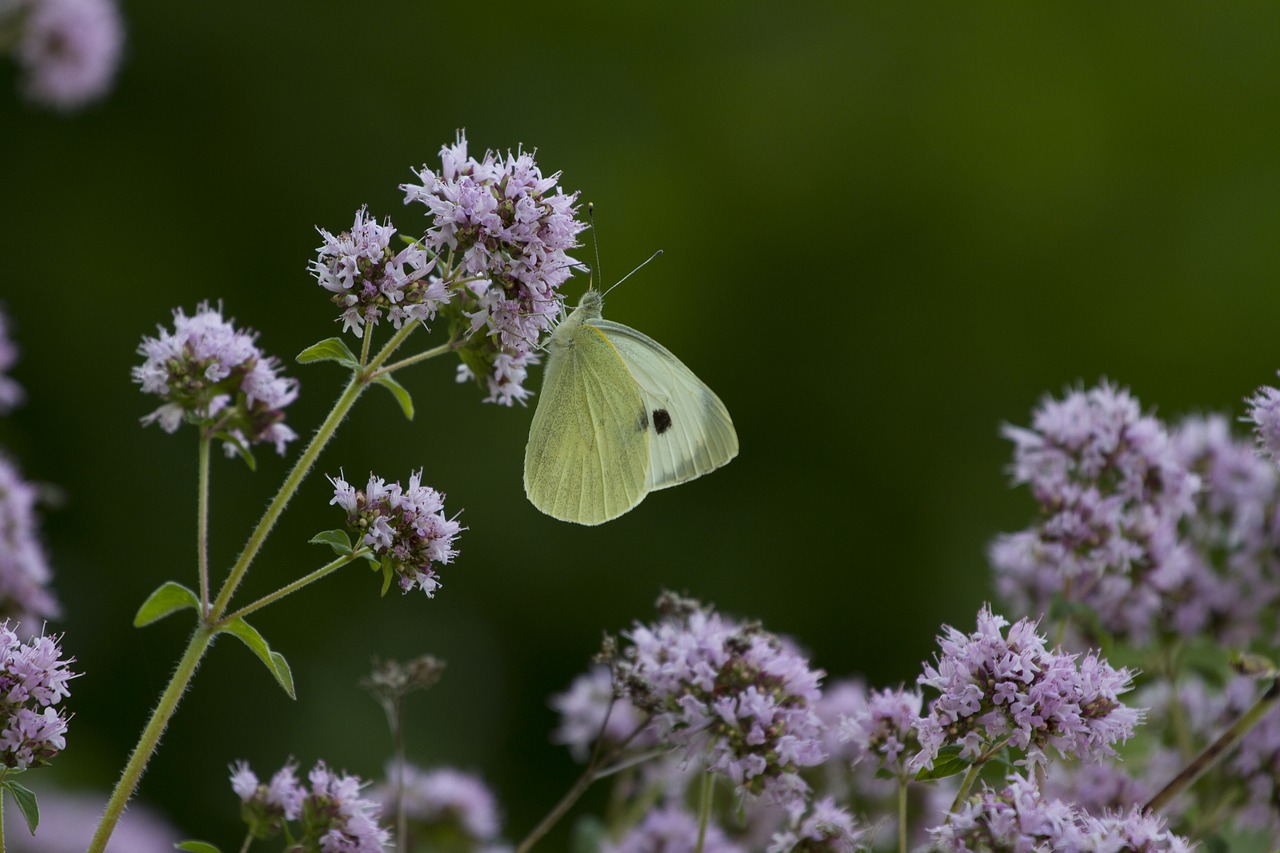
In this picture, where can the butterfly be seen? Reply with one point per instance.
(618, 417)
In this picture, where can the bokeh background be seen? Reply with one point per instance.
(888, 229)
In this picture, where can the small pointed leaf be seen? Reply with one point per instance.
(330, 349)
(26, 800)
(387, 573)
(242, 450)
(168, 598)
(399, 392)
(338, 540)
(196, 847)
(1255, 666)
(273, 660)
(948, 763)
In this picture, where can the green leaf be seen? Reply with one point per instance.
(196, 847)
(338, 540)
(168, 598)
(398, 391)
(274, 660)
(240, 447)
(330, 349)
(26, 800)
(948, 763)
(388, 572)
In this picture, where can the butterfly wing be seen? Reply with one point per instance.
(690, 432)
(587, 459)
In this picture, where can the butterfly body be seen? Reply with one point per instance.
(619, 416)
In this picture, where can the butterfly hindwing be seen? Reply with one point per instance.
(690, 432)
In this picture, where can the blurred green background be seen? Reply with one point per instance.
(888, 228)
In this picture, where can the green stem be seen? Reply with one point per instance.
(1214, 751)
(288, 589)
(160, 716)
(965, 785)
(365, 343)
(704, 807)
(902, 814)
(1, 821)
(301, 468)
(248, 839)
(414, 359)
(202, 522)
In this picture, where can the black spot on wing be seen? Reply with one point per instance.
(661, 420)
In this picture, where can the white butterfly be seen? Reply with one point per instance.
(618, 417)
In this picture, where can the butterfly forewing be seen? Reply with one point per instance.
(690, 432)
(587, 457)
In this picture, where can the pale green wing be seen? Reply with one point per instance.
(587, 459)
(690, 432)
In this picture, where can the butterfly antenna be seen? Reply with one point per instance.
(633, 272)
(595, 241)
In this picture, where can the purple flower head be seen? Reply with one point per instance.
(406, 528)
(670, 829)
(336, 819)
(504, 229)
(441, 804)
(24, 572)
(1111, 492)
(11, 393)
(883, 731)
(368, 278)
(68, 51)
(1019, 818)
(997, 689)
(1264, 414)
(211, 374)
(266, 808)
(34, 678)
(582, 709)
(826, 828)
(1233, 580)
(739, 700)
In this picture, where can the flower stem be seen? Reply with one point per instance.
(902, 814)
(965, 785)
(160, 716)
(570, 797)
(414, 359)
(280, 593)
(301, 468)
(1214, 751)
(704, 807)
(202, 522)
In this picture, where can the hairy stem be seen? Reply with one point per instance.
(150, 738)
(1210, 755)
(705, 796)
(202, 522)
(305, 580)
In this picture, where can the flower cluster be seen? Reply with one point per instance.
(11, 393)
(826, 828)
(506, 230)
(589, 710)
(24, 572)
(406, 528)
(446, 808)
(1019, 817)
(997, 690)
(211, 374)
(670, 829)
(884, 729)
(367, 278)
(1233, 539)
(736, 697)
(68, 50)
(333, 817)
(1112, 493)
(33, 676)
